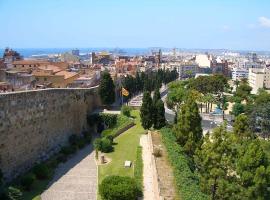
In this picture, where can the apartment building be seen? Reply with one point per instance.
(239, 73)
(259, 78)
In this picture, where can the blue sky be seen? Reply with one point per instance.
(231, 24)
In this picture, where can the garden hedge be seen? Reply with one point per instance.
(187, 182)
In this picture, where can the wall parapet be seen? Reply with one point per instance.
(35, 124)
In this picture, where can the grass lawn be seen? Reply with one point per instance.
(125, 149)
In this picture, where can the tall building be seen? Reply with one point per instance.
(239, 73)
(259, 78)
(220, 67)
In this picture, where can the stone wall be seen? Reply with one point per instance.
(35, 124)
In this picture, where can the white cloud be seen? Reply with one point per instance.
(264, 22)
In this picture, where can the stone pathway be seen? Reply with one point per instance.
(76, 179)
(148, 170)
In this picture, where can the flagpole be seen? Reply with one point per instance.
(122, 95)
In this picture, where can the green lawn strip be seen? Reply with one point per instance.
(125, 148)
(138, 169)
(187, 182)
(122, 122)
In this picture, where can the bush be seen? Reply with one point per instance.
(52, 163)
(73, 139)
(61, 158)
(106, 145)
(125, 110)
(103, 145)
(97, 144)
(87, 136)
(81, 143)
(27, 181)
(14, 193)
(41, 171)
(157, 152)
(109, 119)
(186, 181)
(110, 137)
(118, 188)
(138, 170)
(93, 119)
(67, 150)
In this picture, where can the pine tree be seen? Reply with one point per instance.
(146, 111)
(106, 89)
(188, 129)
(159, 120)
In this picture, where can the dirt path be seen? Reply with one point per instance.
(147, 169)
(164, 170)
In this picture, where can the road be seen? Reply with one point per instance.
(209, 121)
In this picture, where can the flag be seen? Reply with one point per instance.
(125, 92)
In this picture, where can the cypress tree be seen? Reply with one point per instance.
(188, 129)
(156, 96)
(159, 120)
(146, 111)
(106, 89)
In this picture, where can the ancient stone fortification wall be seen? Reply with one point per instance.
(35, 124)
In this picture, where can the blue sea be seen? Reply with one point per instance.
(28, 52)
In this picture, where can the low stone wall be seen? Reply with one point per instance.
(35, 124)
(122, 130)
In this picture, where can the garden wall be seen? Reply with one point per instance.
(35, 124)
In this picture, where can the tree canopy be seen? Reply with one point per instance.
(106, 89)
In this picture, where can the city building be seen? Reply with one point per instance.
(185, 69)
(203, 60)
(10, 56)
(239, 73)
(53, 76)
(259, 78)
(75, 52)
(220, 67)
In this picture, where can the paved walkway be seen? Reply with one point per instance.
(76, 179)
(148, 193)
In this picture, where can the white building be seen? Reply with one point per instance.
(203, 60)
(259, 78)
(239, 73)
(185, 69)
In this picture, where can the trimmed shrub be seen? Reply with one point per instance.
(106, 145)
(125, 110)
(109, 119)
(67, 150)
(110, 137)
(73, 139)
(62, 158)
(103, 145)
(52, 163)
(87, 136)
(118, 188)
(41, 171)
(81, 143)
(27, 181)
(187, 182)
